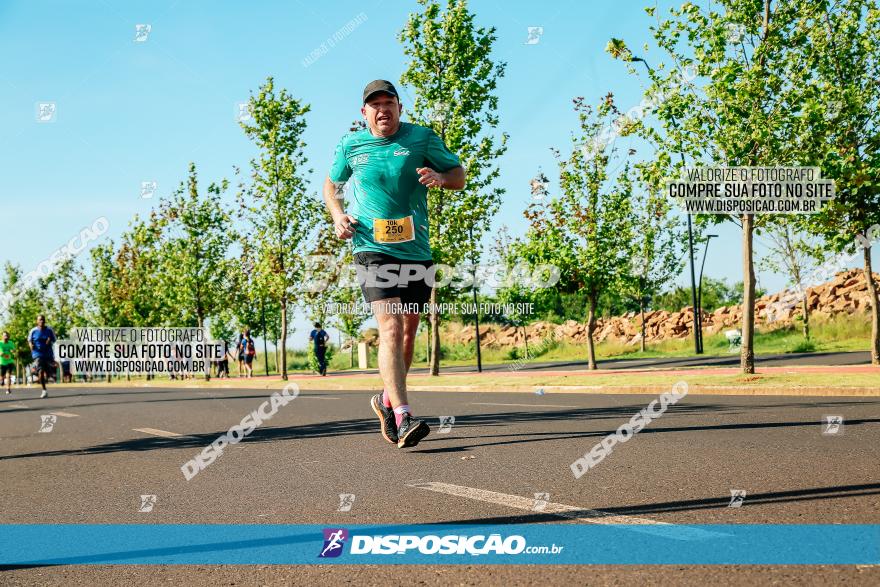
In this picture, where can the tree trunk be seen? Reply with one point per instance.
(806, 309)
(477, 331)
(351, 352)
(284, 338)
(208, 370)
(875, 311)
(747, 351)
(435, 334)
(642, 313)
(428, 344)
(591, 326)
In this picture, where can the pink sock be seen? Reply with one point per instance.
(399, 411)
(386, 401)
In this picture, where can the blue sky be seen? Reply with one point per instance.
(131, 111)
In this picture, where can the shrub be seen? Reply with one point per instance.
(313, 358)
(803, 346)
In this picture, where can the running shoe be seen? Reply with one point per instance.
(44, 395)
(411, 431)
(386, 418)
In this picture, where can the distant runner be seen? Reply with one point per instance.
(250, 352)
(392, 165)
(40, 340)
(223, 363)
(7, 362)
(240, 351)
(319, 338)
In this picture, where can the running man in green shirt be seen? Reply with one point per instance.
(7, 362)
(391, 165)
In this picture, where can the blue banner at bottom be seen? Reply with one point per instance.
(551, 544)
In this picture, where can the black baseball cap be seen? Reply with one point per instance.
(379, 85)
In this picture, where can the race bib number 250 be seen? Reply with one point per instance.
(393, 230)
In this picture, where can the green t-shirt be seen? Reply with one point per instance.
(386, 187)
(7, 353)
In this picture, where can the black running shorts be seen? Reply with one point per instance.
(383, 277)
(46, 364)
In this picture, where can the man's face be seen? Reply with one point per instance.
(5, 337)
(41, 321)
(382, 113)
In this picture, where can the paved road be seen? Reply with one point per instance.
(773, 360)
(95, 464)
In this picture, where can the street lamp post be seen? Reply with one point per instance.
(476, 307)
(265, 334)
(698, 346)
(700, 291)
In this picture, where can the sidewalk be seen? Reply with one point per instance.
(852, 380)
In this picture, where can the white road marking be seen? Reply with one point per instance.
(65, 414)
(569, 511)
(522, 405)
(19, 406)
(155, 432)
(528, 504)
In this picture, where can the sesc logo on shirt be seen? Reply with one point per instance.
(360, 159)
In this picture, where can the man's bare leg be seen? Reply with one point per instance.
(410, 329)
(392, 362)
(396, 338)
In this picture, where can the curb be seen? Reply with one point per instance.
(657, 389)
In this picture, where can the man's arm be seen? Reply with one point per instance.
(454, 179)
(343, 223)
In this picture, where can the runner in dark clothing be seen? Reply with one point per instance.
(240, 351)
(320, 337)
(250, 352)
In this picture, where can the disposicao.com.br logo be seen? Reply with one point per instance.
(452, 544)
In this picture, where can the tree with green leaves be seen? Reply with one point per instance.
(451, 69)
(738, 107)
(61, 295)
(838, 64)
(794, 253)
(100, 301)
(324, 262)
(195, 237)
(657, 248)
(586, 231)
(279, 213)
(330, 283)
(65, 297)
(126, 289)
(715, 293)
(248, 301)
(21, 309)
